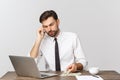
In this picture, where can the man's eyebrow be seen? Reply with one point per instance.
(49, 24)
(43, 25)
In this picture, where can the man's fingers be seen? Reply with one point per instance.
(72, 68)
(69, 67)
(40, 32)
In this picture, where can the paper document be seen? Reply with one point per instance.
(88, 77)
(70, 74)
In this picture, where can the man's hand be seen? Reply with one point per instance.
(35, 50)
(74, 67)
(40, 33)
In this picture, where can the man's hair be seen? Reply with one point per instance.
(49, 13)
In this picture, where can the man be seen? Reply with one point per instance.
(71, 57)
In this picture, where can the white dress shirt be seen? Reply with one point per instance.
(70, 51)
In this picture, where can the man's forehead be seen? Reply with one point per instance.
(48, 21)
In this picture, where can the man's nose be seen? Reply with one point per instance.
(49, 28)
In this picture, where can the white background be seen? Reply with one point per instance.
(97, 22)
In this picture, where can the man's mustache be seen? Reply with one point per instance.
(51, 31)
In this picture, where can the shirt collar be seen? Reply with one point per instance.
(58, 37)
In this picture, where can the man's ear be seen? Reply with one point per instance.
(58, 21)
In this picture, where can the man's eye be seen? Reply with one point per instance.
(44, 26)
(52, 24)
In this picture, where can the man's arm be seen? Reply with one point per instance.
(35, 50)
(80, 61)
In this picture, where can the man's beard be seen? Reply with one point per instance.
(53, 33)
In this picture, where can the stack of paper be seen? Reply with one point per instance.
(70, 74)
(88, 77)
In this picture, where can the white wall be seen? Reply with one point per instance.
(95, 21)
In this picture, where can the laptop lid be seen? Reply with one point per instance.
(25, 66)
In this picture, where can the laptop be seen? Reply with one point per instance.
(27, 67)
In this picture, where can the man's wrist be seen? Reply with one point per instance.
(38, 40)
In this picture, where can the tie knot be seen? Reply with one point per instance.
(55, 39)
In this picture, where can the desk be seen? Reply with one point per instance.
(106, 75)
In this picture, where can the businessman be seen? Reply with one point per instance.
(62, 50)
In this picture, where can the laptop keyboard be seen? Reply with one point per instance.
(43, 75)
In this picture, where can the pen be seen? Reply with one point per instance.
(95, 76)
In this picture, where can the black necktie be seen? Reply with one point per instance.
(57, 59)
